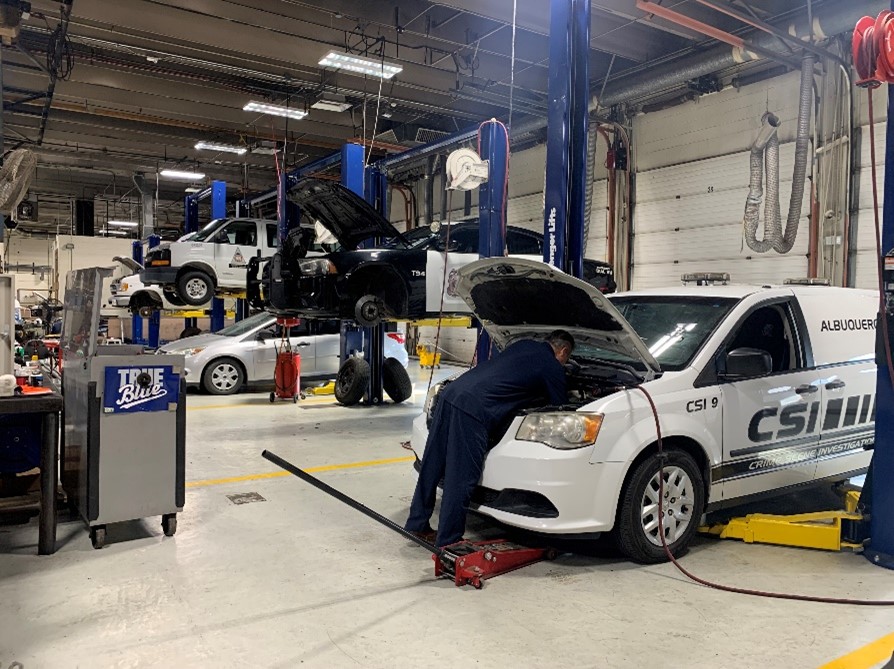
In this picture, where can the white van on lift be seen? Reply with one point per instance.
(759, 390)
(212, 261)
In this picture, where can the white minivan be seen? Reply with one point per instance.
(212, 261)
(758, 390)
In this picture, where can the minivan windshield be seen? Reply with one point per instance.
(209, 230)
(673, 328)
(245, 325)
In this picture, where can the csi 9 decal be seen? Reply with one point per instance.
(132, 389)
(802, 418)
(692, 406)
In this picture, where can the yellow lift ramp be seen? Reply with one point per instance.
(839, 530)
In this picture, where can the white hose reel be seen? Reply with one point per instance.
(465, 170)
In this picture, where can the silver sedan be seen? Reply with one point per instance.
(245, 352)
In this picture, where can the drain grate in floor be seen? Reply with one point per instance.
(245, 498)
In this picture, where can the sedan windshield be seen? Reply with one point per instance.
(245, 325)
(673, 328)
(208, 231)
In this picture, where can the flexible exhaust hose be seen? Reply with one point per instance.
(766, 149)
(588, 194)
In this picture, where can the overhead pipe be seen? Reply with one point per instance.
(830, 20)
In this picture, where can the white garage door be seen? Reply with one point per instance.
(866, 268)
(688, 218)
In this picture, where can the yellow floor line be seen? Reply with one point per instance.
(311, 470)
(868, 656)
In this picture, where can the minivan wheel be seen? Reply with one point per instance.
(369, 310)
(395, 381)
(352, 381)
(195, 287)
(636, 531)
(223, 377)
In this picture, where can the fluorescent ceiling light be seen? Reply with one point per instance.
(124, 224)
(224, 148)
(274, 110)
(332, 102)
(118, 233)
(351, 63)
(193, 189)
(177, 174)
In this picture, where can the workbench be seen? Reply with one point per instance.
(50, 407)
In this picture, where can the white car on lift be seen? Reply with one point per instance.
(223, 362)
(759, 390)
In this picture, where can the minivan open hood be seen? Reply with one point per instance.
(516, 298)
(345, 214)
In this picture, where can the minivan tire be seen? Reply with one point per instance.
(195, 287)
(224, 367)
(352, 381)
(683, 477)
(395, 381)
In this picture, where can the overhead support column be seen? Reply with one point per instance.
(155, 318)
(241, 303)
(566, 145)
(190, 224)
(136, 324)
(880, 550)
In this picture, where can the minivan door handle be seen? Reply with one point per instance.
(835, 385)
(806, 389)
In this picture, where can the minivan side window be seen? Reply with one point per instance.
(770, 328)
(243, 233)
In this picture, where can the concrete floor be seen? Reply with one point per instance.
(300, 579)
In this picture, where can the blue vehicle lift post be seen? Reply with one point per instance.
(377, 196)
(218, 194)
(136, 330)
(241, 303)
(880, 550)
(155, 318)
(492, 208)
(566, 146)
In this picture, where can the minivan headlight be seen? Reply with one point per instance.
(563, 430)
(316, 267)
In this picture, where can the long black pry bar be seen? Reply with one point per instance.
(353, 503)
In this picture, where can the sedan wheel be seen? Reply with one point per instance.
(223, 377)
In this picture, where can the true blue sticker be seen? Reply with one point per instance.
(132, 389)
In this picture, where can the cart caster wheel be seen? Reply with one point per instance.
(303, 396)
(551, 554)
(98, 536)
(272, 397)
(295, 399)
(169, 524)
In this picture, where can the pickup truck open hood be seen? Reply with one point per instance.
(350, 218)
(129, 263)
(516, 298)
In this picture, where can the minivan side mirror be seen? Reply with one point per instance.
(746, 363)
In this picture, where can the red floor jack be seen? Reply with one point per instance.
(287, 373)
(466, 562)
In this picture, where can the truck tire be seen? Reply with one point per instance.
(352, 381)
(395, 381)
(195, 287)
(636, 527)
(223, 376)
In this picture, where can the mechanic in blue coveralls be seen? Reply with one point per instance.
(469, 412)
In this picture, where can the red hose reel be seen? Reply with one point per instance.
(873, 50)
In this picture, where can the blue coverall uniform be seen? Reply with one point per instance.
(469, 411)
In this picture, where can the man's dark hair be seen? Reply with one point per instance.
(560, 339)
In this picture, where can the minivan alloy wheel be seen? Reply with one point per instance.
(677, 505)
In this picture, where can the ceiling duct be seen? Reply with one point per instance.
(410, 135)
